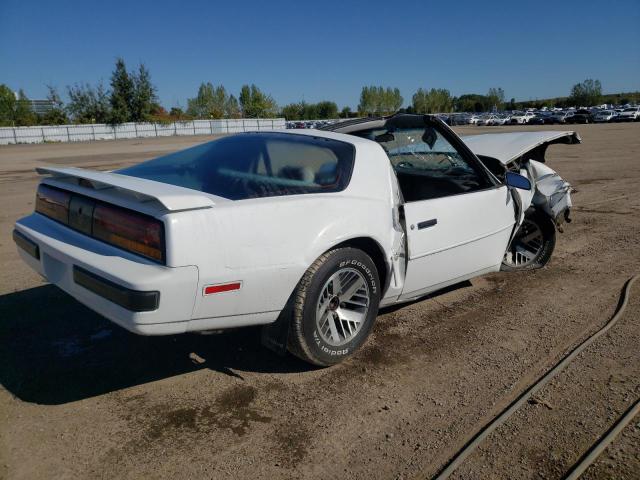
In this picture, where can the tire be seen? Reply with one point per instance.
(324, 330)
(532, 245)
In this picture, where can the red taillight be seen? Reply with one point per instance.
(128, 230)
(53, 203)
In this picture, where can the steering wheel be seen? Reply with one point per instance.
(449, 159)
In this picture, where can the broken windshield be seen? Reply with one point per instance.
(422, 149)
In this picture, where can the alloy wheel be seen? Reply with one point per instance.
(526, 245)
(342, 307)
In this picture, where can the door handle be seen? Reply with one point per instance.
(427, 223)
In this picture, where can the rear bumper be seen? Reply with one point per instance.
(137, 294)
(132, 300)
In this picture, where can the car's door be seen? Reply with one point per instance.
(453, 235)
(453, 238)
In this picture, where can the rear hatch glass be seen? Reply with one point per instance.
(254, 165)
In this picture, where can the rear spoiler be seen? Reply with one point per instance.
(171, 197)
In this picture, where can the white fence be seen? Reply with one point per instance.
(82, 133)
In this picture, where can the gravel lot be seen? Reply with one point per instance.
(82, 398)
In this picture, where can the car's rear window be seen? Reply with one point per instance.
(253, 165)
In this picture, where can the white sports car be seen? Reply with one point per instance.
(306, 232)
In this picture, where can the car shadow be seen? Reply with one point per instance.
(54, 350)
(451, 288)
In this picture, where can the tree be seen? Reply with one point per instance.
(177, 113)
(122, 94)
(232, 107)
(210, 102)
(472, 102)
(144, 98)
(88, 104)
(293, 111)
(310, 111)
(256, 104)
(587, 93)
(24, 115)
(366, 105)
(7, 106)
(57, 115)
(495, 97)
(436, 100)
(396, 100)
(198, 106)
(219, 104)
(345, 112)
(327, 110)
(379, 100)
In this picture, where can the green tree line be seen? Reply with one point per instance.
(132, 97)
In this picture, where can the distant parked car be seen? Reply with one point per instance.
(537, 119)
(476, 120)
(522, 118)
(484, 119)
(581, 116)
(604, 116)
(630, 114)
(499, 120)
(548, 118)
(561, 117)
(459, 119)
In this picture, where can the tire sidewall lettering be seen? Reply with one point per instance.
(321, 345)
(361, 266)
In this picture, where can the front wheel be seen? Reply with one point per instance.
(336, 304)
(532, 245)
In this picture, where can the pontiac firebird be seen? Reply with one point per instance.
(305, 232)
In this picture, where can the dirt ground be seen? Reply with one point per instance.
(82, 398)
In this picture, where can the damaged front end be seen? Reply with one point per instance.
(524, 153)
(552, 193)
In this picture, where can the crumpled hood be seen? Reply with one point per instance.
(507, 147)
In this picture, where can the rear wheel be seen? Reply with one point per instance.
(336, 304)
(532, 245)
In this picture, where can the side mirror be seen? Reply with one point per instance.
(516, 180)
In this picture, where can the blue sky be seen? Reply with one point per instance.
(327, 49)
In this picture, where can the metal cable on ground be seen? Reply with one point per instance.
(590, 456)
(459, 457)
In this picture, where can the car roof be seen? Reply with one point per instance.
(398, 119)
(322, 132)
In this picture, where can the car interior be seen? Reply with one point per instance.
(426, 164)
(255, 165)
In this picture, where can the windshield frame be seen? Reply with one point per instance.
(409, 121)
